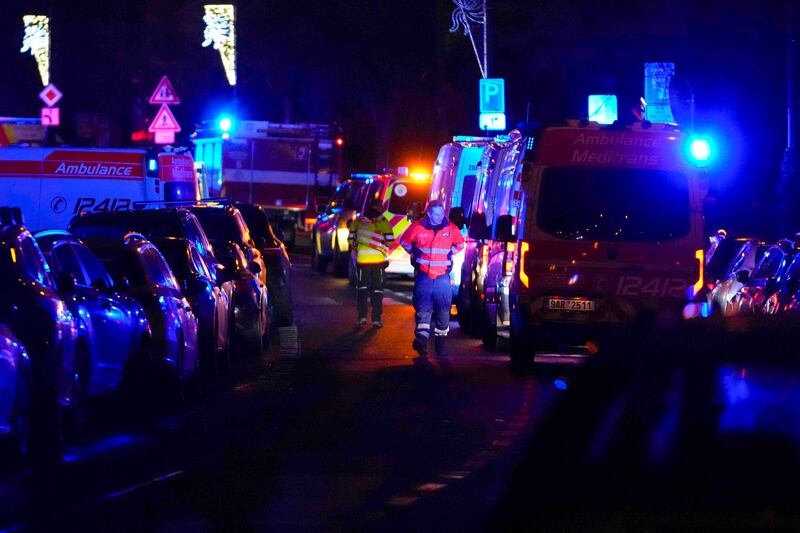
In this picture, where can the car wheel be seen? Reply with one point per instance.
(251, 338)
(318, 261)
(340, 261)
(488, 330)
(522, 350)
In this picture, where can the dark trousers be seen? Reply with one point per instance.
(432, 298)
(369, 285)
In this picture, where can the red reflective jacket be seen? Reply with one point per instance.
(432, 247)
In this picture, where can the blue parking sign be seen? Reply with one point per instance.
(492, 95)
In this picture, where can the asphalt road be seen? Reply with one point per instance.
(345, 433)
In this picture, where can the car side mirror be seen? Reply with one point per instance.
(504, 229)
(66, 282)
(743, 276)
(457, 216)
(254, 267)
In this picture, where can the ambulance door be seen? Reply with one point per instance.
(21, 181)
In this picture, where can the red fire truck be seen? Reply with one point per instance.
(283, 167)
(51, 185)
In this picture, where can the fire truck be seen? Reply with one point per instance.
(282, 167)
(51, 185)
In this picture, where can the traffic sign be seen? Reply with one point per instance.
(492, 95)
(164, 121)
(51, 116)
(492, 121)
(164, 93)
(50, 95)
(164, 137)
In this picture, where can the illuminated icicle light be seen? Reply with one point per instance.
(221, 33)
(36, 40)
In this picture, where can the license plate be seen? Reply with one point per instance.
(569, 304)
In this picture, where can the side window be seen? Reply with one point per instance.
(196, 235)
(95, 271)
(738, 261)
(198, 264)
(769, 264)
(33, 263)
(157, 270)
(66, 261)
(241, 225)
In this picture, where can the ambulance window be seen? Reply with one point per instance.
(467, 192)
(65, 261)
(614, 204)
(95, 271)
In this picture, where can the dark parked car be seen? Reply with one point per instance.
(276, 259)
(250, 300)
(224, 224)
(744, 259)
(136, 264)
(30, 305)
(762, 283)
(112, 325)
(153, 224)
(211, 303)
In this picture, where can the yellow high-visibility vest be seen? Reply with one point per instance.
(371, 240)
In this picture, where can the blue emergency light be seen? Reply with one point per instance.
(699, 150)
(225, 124)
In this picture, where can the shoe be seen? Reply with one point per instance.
(440, 345)
(377, 324)
(419, 347)
(361, 322)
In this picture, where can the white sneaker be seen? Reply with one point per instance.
(377, 324)
(361, 322)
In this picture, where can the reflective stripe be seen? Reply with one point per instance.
(370, 233)
(434, 263)
(435, 250)
(423, 326)
(440, 332)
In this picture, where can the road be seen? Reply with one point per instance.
(346, 433)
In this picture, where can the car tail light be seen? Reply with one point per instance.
(698, 285)
(523, 253)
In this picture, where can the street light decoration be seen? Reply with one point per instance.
(221, 33)
(466, 13)
(36, 40)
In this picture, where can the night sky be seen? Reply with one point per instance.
(400, 84)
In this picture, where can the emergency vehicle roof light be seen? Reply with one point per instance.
(699, 151)
(225, 124)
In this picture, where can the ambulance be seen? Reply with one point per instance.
(609, 231)
(51, 185)
(453, 183)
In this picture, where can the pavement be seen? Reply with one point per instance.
(334, 428)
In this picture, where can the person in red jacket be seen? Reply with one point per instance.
(431, 243)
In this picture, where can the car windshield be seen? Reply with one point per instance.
(120, 263)
(606, 204)
(175, 253)
(259, 225)
(407, 193)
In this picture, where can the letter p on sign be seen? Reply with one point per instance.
(492, 95)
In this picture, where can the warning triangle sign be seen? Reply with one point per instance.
(164, 121)
(164, 93)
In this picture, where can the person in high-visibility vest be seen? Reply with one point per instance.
(431, 243)
(370, 238)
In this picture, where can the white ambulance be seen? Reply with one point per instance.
(51, 185)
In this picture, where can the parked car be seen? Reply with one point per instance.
(250, 300)
(210, 302)
(224, 224)
(762, 283)
(111, 325)
(153, 224)
(30, 305)
(15, 388)
(786, 299)
(276, 259)
(137, 265)
(329, 235)
(728, 285)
